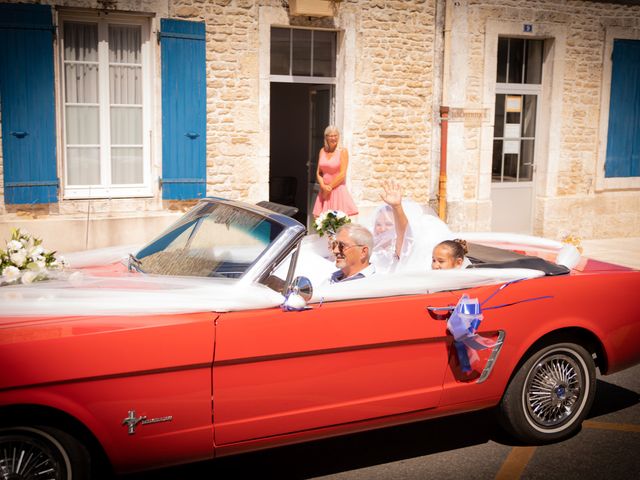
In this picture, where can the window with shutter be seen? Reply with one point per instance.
(106, 99)
(623, 134)
(184, 102)
(28, 104)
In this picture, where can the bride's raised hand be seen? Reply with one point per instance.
(392, 193)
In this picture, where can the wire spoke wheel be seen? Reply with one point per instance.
(550, 394)
(553, 390)
(30, 454)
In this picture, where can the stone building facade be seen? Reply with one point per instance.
(396, 63)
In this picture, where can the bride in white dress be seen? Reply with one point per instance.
(404, 233)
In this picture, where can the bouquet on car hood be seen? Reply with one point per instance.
(24, 260)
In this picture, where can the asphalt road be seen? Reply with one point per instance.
(466, 446)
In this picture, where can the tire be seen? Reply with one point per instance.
(550, 394)
(32, 453)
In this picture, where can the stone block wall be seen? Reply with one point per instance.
(393, 97)
(569, 196)
(391, 105)
(387, 103)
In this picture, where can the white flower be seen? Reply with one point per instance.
(14, 245)
(36, 251)
(11, 274)
(35, 259)
(40, 265)
(18, 258)
(28, 277)
(26, 260)
(340, 214)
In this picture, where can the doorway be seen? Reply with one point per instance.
(299, 114)
(518, 93)
(302, 92)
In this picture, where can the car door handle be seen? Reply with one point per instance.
(440, 313)
(19, 134)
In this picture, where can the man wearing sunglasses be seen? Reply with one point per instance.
(352, 249)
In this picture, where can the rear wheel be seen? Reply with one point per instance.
(32, 453)
(550, 394)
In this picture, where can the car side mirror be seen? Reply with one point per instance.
(302, 286)
(298, 294)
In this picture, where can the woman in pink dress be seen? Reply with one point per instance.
(331, 176)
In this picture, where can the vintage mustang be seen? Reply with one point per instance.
(194, 348)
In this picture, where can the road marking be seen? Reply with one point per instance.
(515, 463)
(621, 427)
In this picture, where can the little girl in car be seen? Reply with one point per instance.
(449, 254)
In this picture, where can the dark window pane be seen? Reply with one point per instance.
(529, 123)
(516, 60)
(534, 61)
(496, 166)
(324, 54)
(513, 117)
(301, 64)
(510, 167)
(280, 49)
(526, 161)
(503, 46)
(498, 127)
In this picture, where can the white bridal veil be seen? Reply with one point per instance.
(425, 231)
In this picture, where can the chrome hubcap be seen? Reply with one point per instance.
(23, 459)
(553, 390)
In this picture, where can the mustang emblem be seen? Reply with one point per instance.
(131, 421)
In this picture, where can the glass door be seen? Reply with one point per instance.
(518, 90)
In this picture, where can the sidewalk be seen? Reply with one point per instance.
(623, 251)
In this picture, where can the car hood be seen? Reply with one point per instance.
(84, 293)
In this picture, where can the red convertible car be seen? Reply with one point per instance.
(191, 349)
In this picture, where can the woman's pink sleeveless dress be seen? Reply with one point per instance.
(339, 198)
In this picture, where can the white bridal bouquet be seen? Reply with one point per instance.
(24, 260)
(328, 222)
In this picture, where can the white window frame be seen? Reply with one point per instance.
(522, 89)
(602, 182)
(304, 78)
(104, 190)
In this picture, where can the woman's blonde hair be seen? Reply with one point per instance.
(327, 131)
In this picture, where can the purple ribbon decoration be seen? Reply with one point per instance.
(465, 320)
(463, 325)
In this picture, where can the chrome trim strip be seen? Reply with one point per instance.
(492, 359)
(323, 351)
(110, 376)
(276, 253)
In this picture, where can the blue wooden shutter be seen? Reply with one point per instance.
(623, 138)
(28, 106)
(184, 100)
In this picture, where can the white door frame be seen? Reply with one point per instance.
(549, 120)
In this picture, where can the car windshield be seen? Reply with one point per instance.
(213, 240)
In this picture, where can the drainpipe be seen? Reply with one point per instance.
(445, 22)
(442, 184)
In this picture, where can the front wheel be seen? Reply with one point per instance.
(31, 453)
(550, 394)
